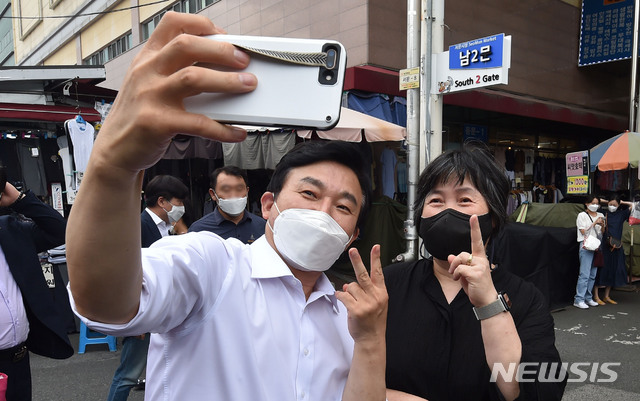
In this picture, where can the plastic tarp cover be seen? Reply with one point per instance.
(545, 256)
(550, 214)
(193, 147)
(633, 263)
(259, 150)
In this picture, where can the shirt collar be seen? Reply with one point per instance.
(219, 218)
(157, 220)
(266, 263)
(325, 289)
(162, 225)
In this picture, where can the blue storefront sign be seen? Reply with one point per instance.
(477, 132)
(606, 31)
(478, 53)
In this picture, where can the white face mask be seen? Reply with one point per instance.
(613, 208)
(175, 213)
(593, 207)
(309, 240)
(232, 206)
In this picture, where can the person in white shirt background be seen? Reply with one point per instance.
(228, 320)
(589, 222)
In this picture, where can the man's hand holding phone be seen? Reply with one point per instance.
(149, 111)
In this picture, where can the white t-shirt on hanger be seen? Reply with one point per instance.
(82, 140)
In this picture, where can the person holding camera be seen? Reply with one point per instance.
(229, 321)
(31, 321)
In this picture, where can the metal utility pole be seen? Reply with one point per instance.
(424, 111)
(413, 127)
(633, 109)
(426, 52)
(433, 129)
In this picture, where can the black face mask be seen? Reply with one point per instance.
(448, 232)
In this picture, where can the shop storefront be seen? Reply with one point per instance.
(529, 137)
(37, 102)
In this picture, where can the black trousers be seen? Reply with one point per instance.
(19, 378)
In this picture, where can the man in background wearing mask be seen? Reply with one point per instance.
(164, 197)
(230, 219)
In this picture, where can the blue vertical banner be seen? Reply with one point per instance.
(606, 31)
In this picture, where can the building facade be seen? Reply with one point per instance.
(551, 106)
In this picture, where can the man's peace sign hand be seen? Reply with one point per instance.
(366, 299)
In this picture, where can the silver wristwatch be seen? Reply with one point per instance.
(502, 304)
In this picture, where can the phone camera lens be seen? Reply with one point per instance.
(331, 58)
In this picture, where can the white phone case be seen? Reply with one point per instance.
(288, 94)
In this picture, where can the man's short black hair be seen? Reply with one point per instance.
(167, 186)
(228, 170)
(311, 152)
(475, 162)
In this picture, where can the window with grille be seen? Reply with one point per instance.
(183, 6)
(111, 51)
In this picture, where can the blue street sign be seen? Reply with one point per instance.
(477, 53)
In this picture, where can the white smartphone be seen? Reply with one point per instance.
(288, 94)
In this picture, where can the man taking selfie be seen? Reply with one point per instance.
(229, 321)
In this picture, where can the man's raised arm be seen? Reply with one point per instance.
(103, 232)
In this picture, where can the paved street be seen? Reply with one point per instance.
(83, 377)
(607, 333)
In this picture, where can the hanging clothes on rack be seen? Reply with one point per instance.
(9, 157)
(32, 166)
(388, 160)
(67, 168)
(82, 135)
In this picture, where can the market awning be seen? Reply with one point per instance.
(36, 112)
(193, 147)
(353, 123)
(509, 103)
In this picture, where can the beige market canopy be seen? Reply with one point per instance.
(353, 123)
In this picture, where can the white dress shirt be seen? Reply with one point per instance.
(162, 225)
(230, 322)
(14, 325)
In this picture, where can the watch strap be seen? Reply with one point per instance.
(494, 308)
